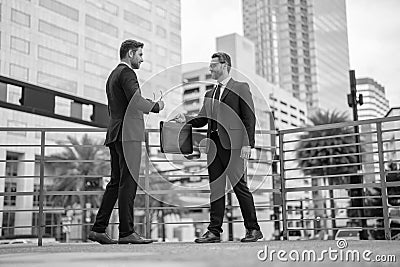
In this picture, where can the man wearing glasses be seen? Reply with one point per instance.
(228, 109)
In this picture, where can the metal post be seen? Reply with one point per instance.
(383, 181)
(283, 186)
(357, 179)
(147, 187)
(41, 188)
(229, 215)
(276, 200)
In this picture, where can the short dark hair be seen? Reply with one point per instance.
(223, 58)
(129, 45)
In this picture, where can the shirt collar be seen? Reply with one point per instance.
(122, 62)
(225, 82)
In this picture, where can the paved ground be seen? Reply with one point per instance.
(230, 254)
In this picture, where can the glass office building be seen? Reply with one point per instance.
(302, 46)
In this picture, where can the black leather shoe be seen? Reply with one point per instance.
(134, 238)
(208, 237)
(101, 238)
(252, 236)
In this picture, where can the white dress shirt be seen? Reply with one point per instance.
(224, 83)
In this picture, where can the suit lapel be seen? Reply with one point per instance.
(227, 89)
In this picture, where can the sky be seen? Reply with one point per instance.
(373, 32)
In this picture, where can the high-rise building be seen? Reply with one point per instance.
(72, 46)
(302, 46)
(375, 105)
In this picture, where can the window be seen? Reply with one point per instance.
(96, 69)
(292, 26)
(175, 58)
(175, 21)
(192, 79)
(175, 38)
(94, 92)
(19, 72)
(161, 51)
(306, 44)
(293, 52)
(57, 57)
(294, 61)
(146, 4)
(20, 18)
(50, 80)
(101, 48)
(160, 31)
(295, 78)
(291, 9)
(137, 20)
(10, 185)
(307, 70)
(60, 8)
(161, 12)
(105, 6)
(292, 35)
(8, 221)
(101, 26)
(295, 69)
(307, 61)
(20, 45)
(292, 18)
(58, 32)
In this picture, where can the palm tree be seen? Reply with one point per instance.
(86, 157)
(331, 149)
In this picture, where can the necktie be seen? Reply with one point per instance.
(214, 107)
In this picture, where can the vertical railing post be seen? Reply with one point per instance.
(147, 187)
(283, 186)
(41, 187)
(382, 174)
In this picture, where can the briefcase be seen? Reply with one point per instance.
(176, 138)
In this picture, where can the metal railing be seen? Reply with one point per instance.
(308, 182)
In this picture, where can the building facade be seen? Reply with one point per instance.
(302, 46)
(72, 46)
(375, 105)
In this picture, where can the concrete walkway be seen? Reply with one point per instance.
(230, 254)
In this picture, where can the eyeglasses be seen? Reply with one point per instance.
(213, 65)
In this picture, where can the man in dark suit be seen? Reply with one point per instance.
(123, 91)
(228, 110)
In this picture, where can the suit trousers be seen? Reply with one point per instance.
(226, 162)
(122, 186)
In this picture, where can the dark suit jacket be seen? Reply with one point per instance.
(123, 87)
(235, 115)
